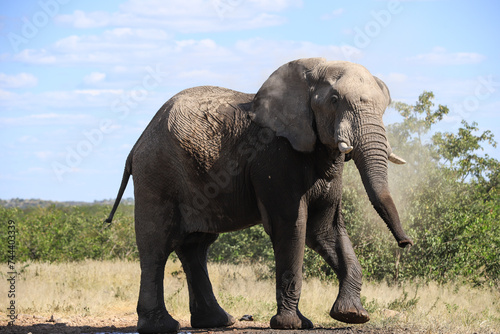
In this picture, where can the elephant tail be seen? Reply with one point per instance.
(126, 175)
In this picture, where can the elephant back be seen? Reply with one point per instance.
(204, 120)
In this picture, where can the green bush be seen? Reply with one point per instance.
(70, 233)
(248, 245)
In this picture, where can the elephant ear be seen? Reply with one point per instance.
(384, 89)
(282, 104)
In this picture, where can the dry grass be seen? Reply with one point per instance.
(110, 288)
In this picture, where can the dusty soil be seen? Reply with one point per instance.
(126, 324)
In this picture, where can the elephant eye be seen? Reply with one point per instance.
(334, 99)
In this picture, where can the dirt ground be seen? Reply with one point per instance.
(75, 325)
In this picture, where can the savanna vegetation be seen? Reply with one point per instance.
(105, 293)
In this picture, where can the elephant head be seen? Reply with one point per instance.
(341, 105)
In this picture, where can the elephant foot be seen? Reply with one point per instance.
(157, 322)
(211, 319)
(351, 312)
(290, 320)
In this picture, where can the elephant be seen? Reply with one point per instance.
(215, 160)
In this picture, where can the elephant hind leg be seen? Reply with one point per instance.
(154, 242)
(153, 315)
(205, 310)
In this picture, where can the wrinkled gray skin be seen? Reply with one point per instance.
(214, 160)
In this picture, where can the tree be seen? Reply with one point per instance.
(449, 195)
(460, 155)
(414, 125)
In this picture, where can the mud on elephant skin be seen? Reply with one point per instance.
(215, 160)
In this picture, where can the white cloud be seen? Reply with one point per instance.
(97, 92)
(21, 80)
(45, 155)
(28, 139)
(45, 119)
(125, 39)
(181, 9)
(336, 13)
(185, 16)
(395, 78)
(40, 57)
(277, 5)
(440, 56)
(288, 50)
(6, 95)
(197, 74)
(94, 77)
(80, 19)
(122, 48)
(14, 100)
(57, 100)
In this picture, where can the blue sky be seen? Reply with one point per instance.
(80, 80)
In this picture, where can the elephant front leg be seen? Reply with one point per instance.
(334, 246)
(288, 237)
(347, 307)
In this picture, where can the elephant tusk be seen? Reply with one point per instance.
(344, 148)
(397, 160)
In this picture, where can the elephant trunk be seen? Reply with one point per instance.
(370, 156)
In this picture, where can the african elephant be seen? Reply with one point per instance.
(215, 160)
